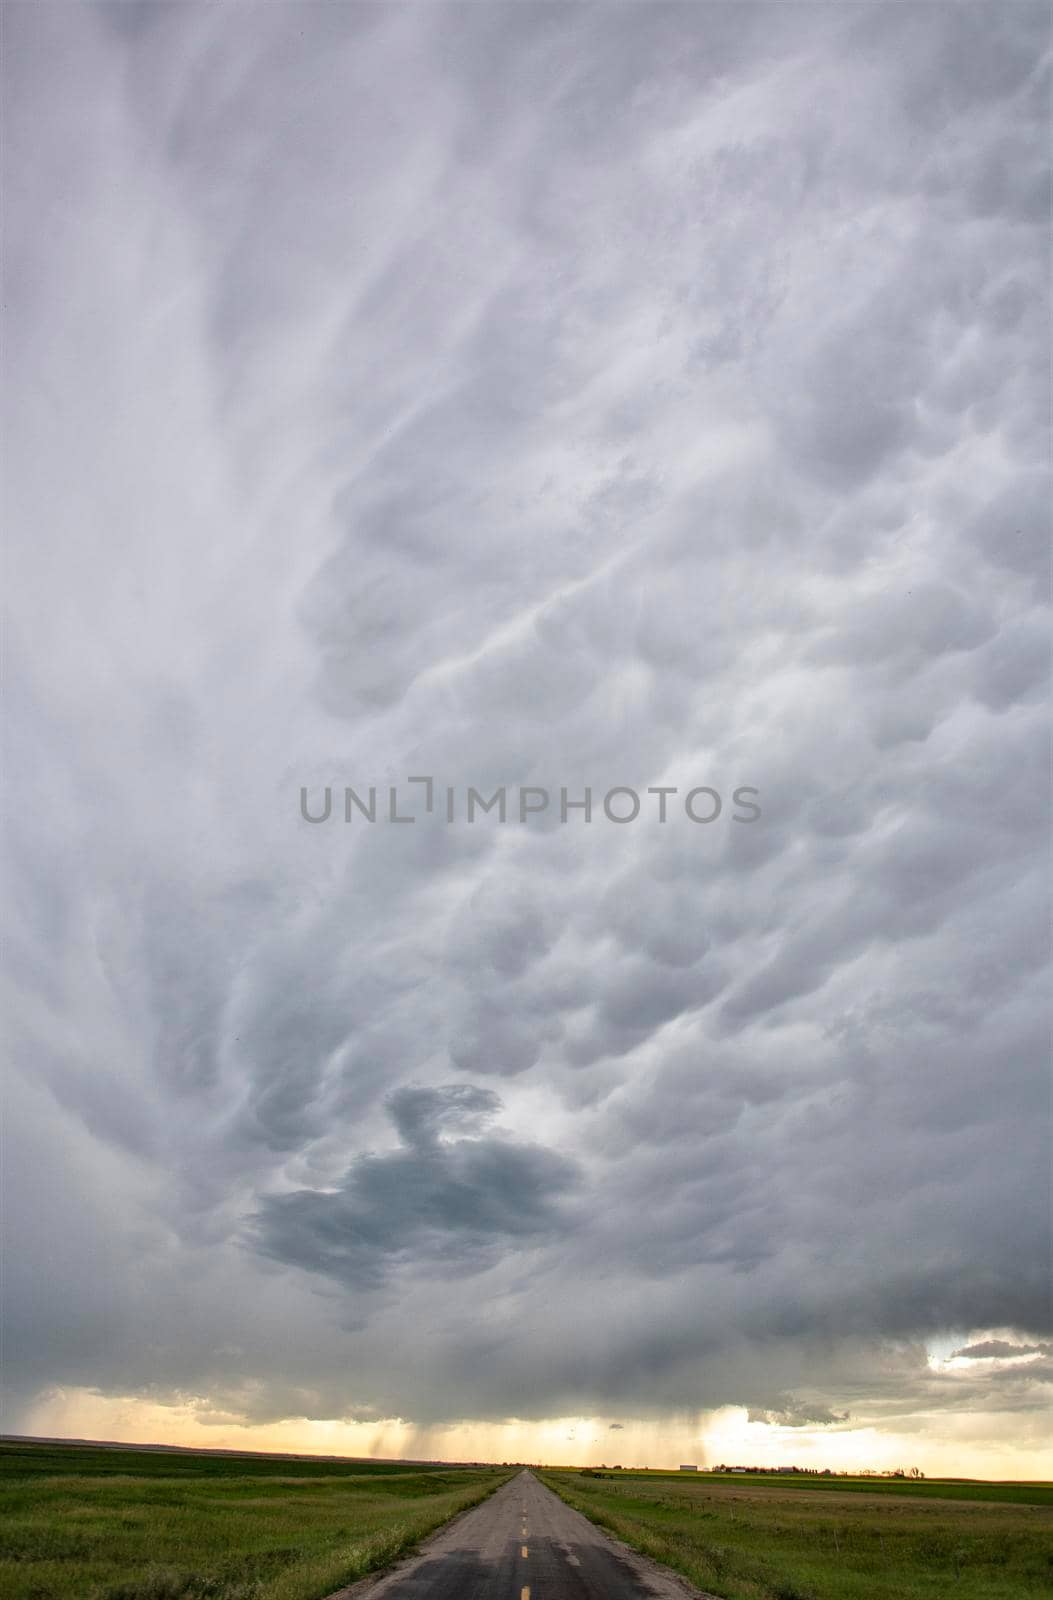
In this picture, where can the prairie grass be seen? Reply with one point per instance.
(770, 1540)
(124, 1525)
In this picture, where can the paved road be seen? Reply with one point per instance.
(522, 1544)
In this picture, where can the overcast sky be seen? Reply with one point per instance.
(560, 395)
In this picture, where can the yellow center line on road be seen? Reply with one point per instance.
(525, 1552)
(524, 1593)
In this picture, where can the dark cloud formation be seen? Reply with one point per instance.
(1000, 1350)
(448, 1205)
(653, 396)
(795, 1414)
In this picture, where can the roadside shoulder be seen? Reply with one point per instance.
(415, 1550)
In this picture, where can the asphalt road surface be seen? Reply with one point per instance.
(522, 1544)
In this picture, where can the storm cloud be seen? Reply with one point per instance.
(451, 1202)
(528, 395)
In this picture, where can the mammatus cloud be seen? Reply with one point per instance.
(652, 399)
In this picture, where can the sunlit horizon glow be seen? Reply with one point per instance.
(724, 1436)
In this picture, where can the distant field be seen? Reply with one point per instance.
(97, 1524)
(27, 1460)
(764, 1538)
(1025, 1494)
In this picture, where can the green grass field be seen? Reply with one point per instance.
(96, 1524)
(763, 1539)
(1026, 1494)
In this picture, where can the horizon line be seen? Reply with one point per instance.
(438, 1461)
